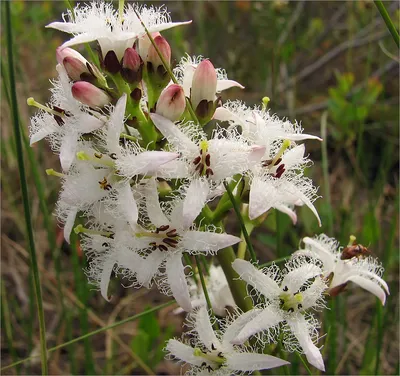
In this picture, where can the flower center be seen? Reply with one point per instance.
(165, 237)
(290, 302)
(275, 162)
(203, 161)
(214, 358)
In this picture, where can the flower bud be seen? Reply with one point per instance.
(144, 43)
(132, 65)
(75, 68)
(62, 53)
(204, 83)
(89, 94)
(171, 103)
(153, 59)
(111, 62)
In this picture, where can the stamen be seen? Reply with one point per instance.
(285, 145)
(31, 102)
(351, 240)
(162, 247)
(208, 160)
(52, 172)
(80, 229)
(197, 159)
(171, 242)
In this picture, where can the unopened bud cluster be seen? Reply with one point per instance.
(143, 184)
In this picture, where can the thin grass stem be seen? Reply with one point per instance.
(24, 189)
(389, 24)
(94, 332)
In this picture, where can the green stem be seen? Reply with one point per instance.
(25, 195)
(242, 224)
(325, 168)
(94, 332)
(203, 285)
(238, 287)
(388, 21)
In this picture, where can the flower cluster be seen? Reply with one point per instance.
(147, 186)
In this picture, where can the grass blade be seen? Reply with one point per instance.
(388, 21)
(94, 332)
(24, 189)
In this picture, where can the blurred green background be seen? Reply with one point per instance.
(330, 65)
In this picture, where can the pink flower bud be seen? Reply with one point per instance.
(89, 94)
(164, 48)
(132, 64)
(171, 103)
(74, 68)
(144, 43)
(62, 53)
(204, 83)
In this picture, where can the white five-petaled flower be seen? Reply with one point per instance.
(206, 162)
(211, 352)
(218, 290)
(278, 180)
(169, 233)
(100, 21)
(287, 296)
(364, 271)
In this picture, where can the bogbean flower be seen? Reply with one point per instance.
(211, 352)
(206, 162)
(278, 181)
(288, 297)
(166, 235)
(114, 32)
(218, 290)
(339, 270)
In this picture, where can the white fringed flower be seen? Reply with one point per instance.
(211, 352)
(206, 162)
(100, 21)
(364, 271)
(184, 72)
(287, 296)
(167, 234)
(278, 181)
(218, 291)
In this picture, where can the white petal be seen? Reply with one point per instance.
(205, 330)
(68, 150)
(262, 197)
(376, 278)
(149, 267)
(115, 124)
(156, 215)
(81, 38)
(261, 282)
(166, 26)
(127, 204)
(183, 352)
(66, 27)
(172, 133)
(204, 241)
(326, 256)
(226, 84)
(370, 286)
(69, 224)
(293, 156)
(267, 319)
(177, 281)
(251, 362)
(233, 330)
(301, 196)
(105, 278)
(88, 123)
(223, 114)
(299, 136)
(299, 328)
(176, 169)
(285, 209)
(297, 277)
(196, 196)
